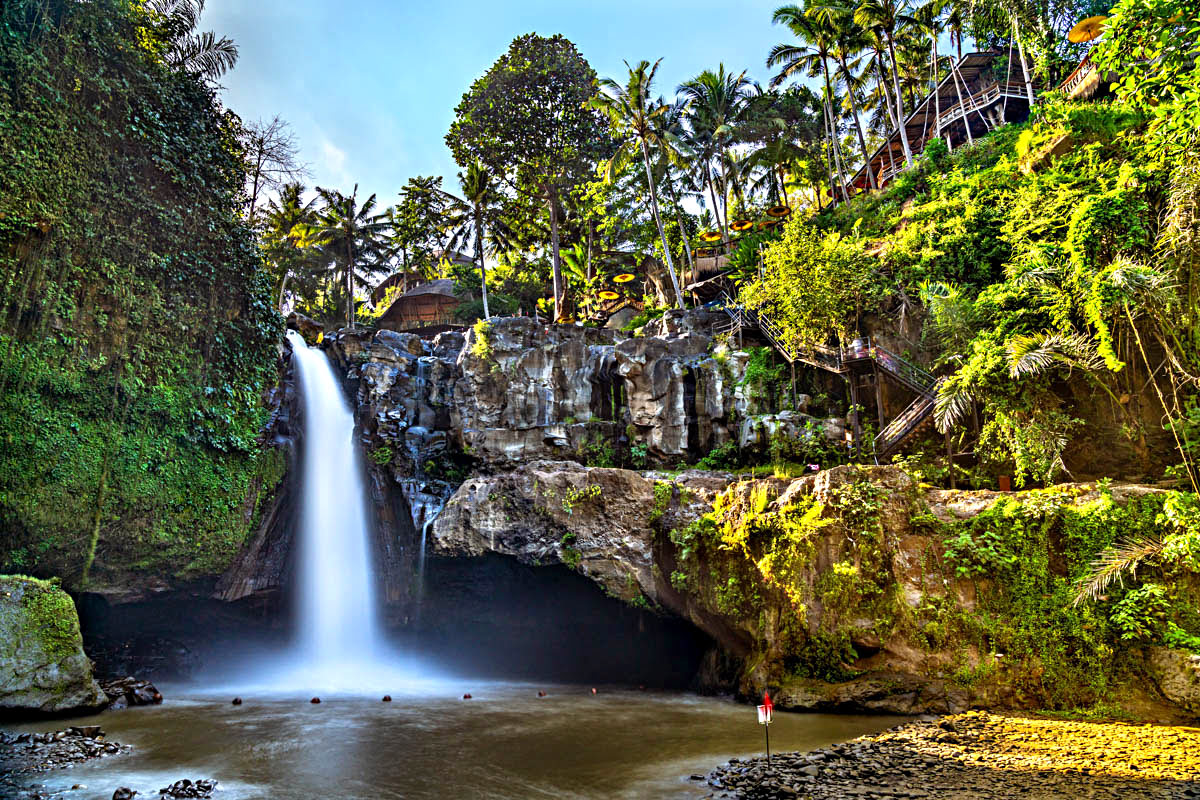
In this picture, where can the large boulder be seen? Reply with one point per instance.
(43, 669)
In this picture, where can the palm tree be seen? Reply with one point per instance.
(289, 220)
(475, 215)
(812, 57)
(929, 21)
(716, 104)
(849, 40)
(349, 231)
(889, 17)
(202, 53)
(671, 133)
(631, 112)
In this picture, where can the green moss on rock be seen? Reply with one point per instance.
(43, 669)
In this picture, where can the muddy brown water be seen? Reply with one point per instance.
(503, 743)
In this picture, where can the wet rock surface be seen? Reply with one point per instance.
(27, 754)
(981, 755)
(188, 788)
(126, 692)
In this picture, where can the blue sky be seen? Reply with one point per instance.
(370, 87)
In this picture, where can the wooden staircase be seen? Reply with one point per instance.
(896, 433)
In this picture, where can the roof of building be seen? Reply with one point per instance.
(442, 286)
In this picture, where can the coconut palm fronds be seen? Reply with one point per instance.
(1111, 566)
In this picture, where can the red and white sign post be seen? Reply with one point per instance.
(764, 719)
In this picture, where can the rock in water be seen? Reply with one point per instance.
(131, 692)
(43, 669)
(124, 793)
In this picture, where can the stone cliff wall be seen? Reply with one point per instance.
(850, 589)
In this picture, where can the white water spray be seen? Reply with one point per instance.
(337, 607)
(340, 646)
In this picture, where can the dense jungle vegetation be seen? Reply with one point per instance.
(1046, 272)
(137, 329)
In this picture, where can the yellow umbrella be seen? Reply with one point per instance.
(742, 225)
(1087, 30)
(624, 277)
(608, 294)
(778, 212)
(711, 236)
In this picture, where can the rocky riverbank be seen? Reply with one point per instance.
(26, 754)
(981, 755)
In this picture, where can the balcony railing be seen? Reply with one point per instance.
(980, 100)
(1079, 76)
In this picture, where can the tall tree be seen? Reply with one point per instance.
(271, 160)
(350, 232)
(527, 120)
(811, 57)
(849, 40)
(890, 18)
(476, 215)
(289, 219)
(204, 53)
(717, 102)
(631, 111)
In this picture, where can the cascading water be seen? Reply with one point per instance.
(340, 646)
(337, 606)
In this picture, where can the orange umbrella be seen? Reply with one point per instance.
(778, 211)
(1087, 30)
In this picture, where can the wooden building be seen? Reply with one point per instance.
(971, 100)
(428, 304)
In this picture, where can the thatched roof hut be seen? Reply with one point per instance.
(431, 303)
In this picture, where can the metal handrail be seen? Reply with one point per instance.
(909, 373)
(900, 428)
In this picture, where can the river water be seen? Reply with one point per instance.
(505, 742)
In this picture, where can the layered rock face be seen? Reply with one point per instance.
(513, 391)
(43, 669)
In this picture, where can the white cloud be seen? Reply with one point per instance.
(330, 169)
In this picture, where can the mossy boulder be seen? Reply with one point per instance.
(43, 669)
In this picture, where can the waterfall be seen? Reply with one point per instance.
(337, 608)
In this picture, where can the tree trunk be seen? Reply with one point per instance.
(658, 222)
(862, 140)
(1024, 66)
(937, 105)
(958, 90)
(712, 193)
(783, 186)
(482, 268)
(560, 290)
(687, 248)
(725, 201)
(349, 283)
(837, 159)
(900, 120)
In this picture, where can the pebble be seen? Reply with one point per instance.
(315, 700)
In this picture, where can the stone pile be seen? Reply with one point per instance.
(24, 754)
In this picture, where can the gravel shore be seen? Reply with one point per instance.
(26, 754)
(981, 755)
